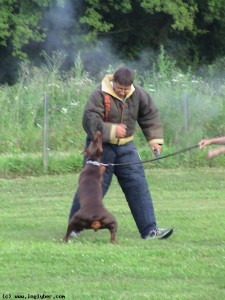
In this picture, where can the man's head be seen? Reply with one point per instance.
(122, 80)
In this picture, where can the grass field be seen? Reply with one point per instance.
(190, 265)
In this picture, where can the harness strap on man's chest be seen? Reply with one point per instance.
(107, 107)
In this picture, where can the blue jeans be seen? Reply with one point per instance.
(132, 182)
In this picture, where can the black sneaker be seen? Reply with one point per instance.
(159, 233)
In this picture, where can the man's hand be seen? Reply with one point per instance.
(121, 130)
(157, 148)
(204, 143)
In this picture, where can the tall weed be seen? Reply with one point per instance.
(191, 106)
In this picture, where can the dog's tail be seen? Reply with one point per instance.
(96, 225)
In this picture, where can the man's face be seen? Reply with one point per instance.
(121, 90)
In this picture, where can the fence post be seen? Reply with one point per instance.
(186, 112)
(45, 135)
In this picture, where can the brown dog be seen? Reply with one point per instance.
(92, 214)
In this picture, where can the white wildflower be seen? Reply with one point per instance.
(64, 110)
(53, 85)
(74, 103)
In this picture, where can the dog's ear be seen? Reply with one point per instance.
(99, 151)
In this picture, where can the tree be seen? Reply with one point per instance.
(138, 24)
(211, 21)
(183, 27)
(191, 32)
(20, 24)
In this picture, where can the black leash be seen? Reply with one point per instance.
(151, 160)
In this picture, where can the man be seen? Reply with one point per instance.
(115, 107)
(214, 141)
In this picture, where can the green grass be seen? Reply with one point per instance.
(189, 265)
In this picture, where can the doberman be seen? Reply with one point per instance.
(92, 213)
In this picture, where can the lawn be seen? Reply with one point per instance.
(36, 264)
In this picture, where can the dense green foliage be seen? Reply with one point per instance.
(188, 266)
(107, 31)
(18, 25)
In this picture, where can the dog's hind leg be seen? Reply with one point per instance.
(111, 225)
(113, 229)
(73, 226)
(70, 228)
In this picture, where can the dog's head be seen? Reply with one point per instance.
(95, 150)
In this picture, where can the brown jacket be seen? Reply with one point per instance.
(137, 107)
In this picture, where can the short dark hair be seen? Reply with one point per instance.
(124, 76)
